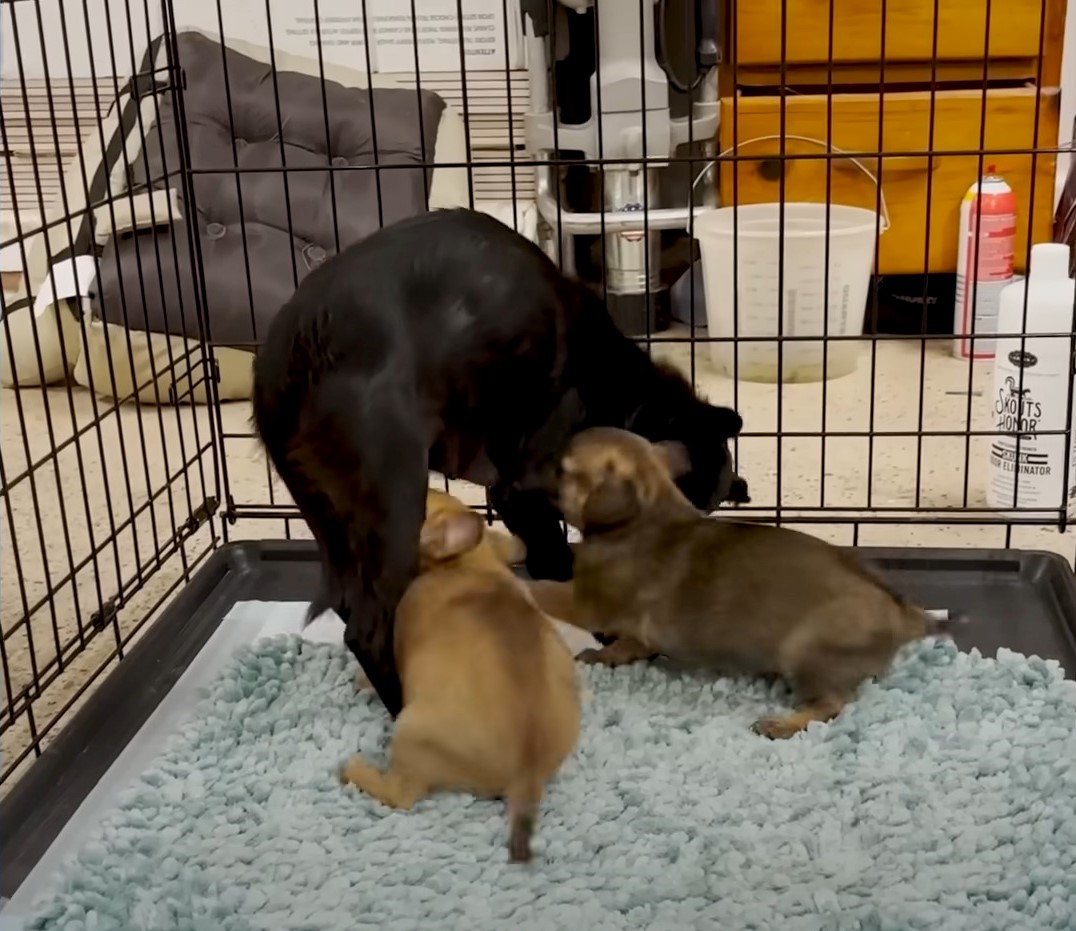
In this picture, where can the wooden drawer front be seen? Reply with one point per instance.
(1010, 124)
(1015, 27)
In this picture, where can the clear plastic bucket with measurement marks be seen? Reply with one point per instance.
(749, 262)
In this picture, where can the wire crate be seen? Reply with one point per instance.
(127, 454)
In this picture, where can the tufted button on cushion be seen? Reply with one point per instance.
(314, 255)
(215, 230)
(340, 162)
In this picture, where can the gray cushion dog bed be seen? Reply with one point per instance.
(262, 225)
(139, 335)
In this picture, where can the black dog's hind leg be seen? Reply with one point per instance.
(357, 470)
(391, 563)
(384, 529)
(532, 517)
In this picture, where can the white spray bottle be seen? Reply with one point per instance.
(1032, 382)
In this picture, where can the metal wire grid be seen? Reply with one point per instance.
(108, 506)
(869, 511)
(129, 529)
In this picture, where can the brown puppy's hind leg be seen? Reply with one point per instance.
(825, 663)
(620, 652)
(779, 727)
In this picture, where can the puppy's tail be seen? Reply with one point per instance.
(941, 622)
(934, 622)
(523, 800)
(329, 597)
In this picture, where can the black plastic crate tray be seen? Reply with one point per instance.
(1022, 600)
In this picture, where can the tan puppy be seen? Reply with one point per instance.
(733, 596)
(491, 704)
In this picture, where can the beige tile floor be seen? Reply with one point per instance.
(137, 455)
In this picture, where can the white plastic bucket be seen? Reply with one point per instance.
(741, 286)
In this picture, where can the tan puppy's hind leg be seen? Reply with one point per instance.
(428, 754)
(413, 770)
(390, 788)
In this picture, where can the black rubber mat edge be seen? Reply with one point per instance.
(40, 803)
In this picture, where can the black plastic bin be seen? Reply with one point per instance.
(1022, 600)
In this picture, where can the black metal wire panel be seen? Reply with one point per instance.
(109, 504)
(820, 470)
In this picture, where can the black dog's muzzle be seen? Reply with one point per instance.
(731, 489)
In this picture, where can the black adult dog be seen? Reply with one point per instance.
(449, 342)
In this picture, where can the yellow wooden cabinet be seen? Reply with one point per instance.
(928, 125)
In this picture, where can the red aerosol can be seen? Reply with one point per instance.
(984, 263)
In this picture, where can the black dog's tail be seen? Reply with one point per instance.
(305, 452)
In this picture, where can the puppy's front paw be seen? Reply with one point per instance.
(362, 684)
(349, 771)
(620, 652)
(778, 728)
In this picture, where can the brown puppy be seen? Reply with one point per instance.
(491, 704)
(737, 597)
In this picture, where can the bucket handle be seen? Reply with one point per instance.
(829, 148)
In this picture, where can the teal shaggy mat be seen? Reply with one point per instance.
(943, 799)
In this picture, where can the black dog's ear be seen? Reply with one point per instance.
(614, 502)
(675, 457)
(724, 421)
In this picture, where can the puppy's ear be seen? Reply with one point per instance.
(509, 548)
(614, 502)
(675, 457)
(450, 534)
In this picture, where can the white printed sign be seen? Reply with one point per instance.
(286, 25)
(436, 26)
(75, 31)
(289, 26)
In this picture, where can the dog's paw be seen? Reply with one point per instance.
(777, 728)
(619, 653)
(349, 771)
(362, 684)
